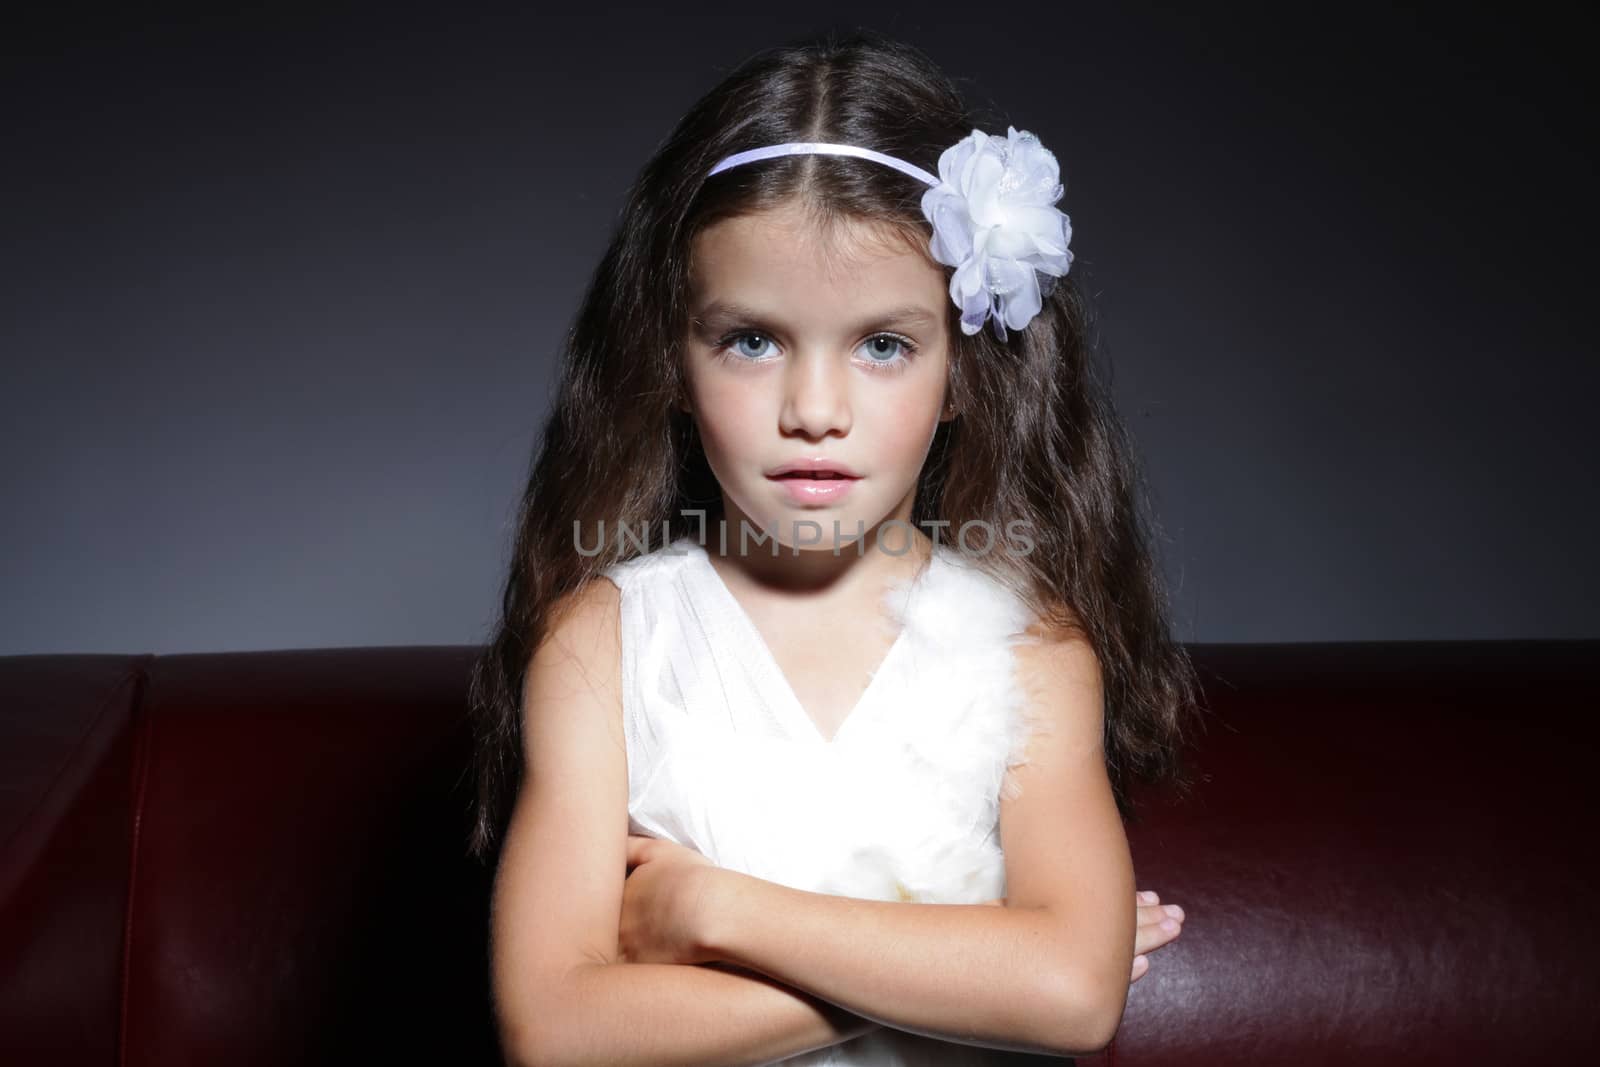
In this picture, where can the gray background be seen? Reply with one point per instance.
(283, 293)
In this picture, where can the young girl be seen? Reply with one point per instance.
(876, 599)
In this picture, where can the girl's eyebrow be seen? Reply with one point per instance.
(720, 312)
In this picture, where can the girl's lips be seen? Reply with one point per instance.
(802, 490)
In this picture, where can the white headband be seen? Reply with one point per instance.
(991, 209)
(823, 148)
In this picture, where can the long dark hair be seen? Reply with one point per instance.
(1037, 438)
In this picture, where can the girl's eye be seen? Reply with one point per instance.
(738, 341)
(889, 350)
(898, 352)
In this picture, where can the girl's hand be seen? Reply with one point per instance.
(660, 902)
(1157, 925)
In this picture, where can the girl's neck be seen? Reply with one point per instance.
(901, 552)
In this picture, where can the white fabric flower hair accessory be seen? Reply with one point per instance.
(994, 222)
(992, 210)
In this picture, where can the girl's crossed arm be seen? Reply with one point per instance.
(1048, 973)
(562, 994)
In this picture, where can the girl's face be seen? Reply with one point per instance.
(806, 347)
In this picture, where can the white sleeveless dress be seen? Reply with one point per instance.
(901, 804)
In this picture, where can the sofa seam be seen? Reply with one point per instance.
(143, 729)
(106, 704)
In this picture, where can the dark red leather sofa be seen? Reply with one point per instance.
(258, 858)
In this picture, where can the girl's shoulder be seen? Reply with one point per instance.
(957, 600)
(663, 563)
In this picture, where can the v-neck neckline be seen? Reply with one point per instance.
(777, 681)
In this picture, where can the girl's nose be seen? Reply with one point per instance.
(816, 399)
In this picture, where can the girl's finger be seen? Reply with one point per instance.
(1141, 964)
(1154, 913)
(1149, 936)
(1147, 896)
